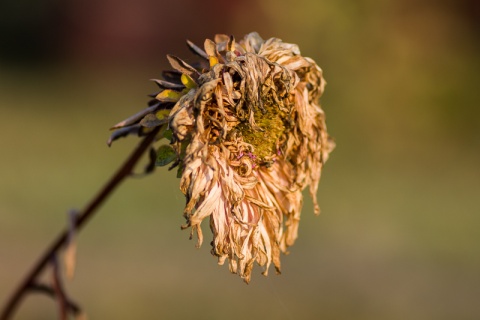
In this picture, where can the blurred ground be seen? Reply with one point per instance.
(398, 235)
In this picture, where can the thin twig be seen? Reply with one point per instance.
(49, 291)
(58, 289)
(124, 171)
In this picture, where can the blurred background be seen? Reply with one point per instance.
(398, 237)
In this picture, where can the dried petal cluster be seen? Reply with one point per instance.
(247, 135)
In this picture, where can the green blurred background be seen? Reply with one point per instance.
(398, 237)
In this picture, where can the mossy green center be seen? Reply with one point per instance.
(265, 141)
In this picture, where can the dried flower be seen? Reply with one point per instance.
(247, 135)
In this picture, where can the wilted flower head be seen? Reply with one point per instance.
(247, 135)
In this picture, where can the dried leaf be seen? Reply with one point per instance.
(123, 132)
(151, 121)
(169, 85)
(183, 67)
(197, 50)
(169, 95)
(171, 75)
(135, 118)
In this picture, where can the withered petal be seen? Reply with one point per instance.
(249, 135)
(197, 50)
(183, 67)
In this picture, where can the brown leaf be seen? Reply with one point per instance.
(183, 67)
(151, 121)
(123, 132)
(135, 118)
(197, 50)
(169, 85)
(172, 75)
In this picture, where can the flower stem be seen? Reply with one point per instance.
(123, 172)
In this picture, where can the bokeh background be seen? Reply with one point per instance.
(398, 237)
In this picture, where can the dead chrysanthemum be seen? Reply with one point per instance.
(247, 135)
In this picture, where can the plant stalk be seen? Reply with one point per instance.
(123, 172)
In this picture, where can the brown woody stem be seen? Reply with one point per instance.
(124, 171)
